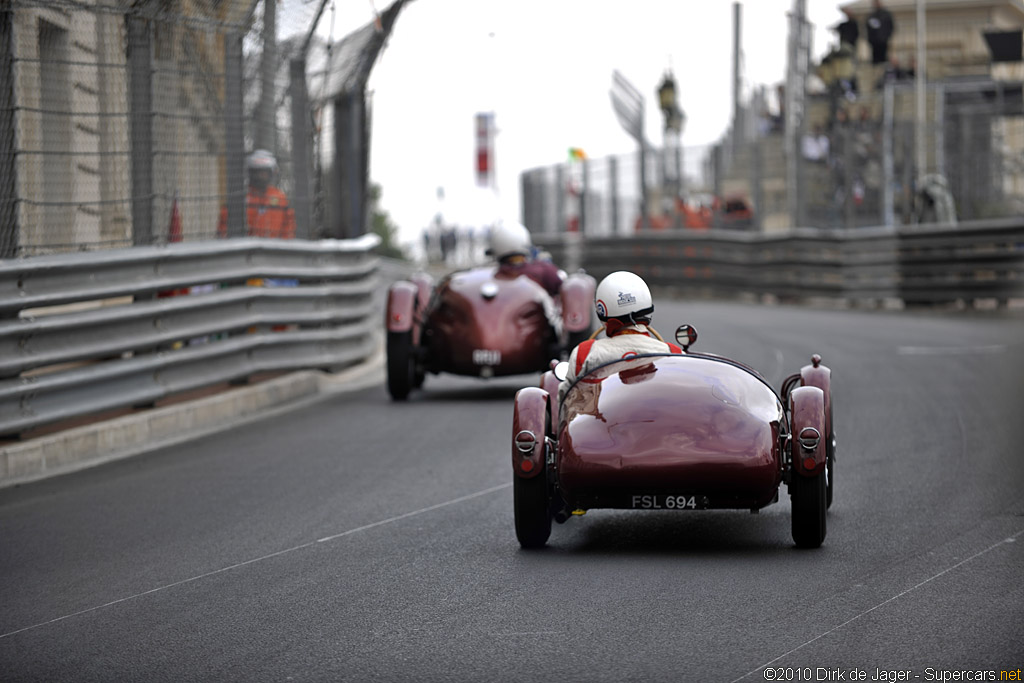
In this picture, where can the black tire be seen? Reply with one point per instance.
(401, 364)
(533, 511)
(809, 505)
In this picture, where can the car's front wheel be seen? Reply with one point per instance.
(809, 498)
(401, 365)
(532, 510)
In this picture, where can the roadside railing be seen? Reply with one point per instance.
(81, 334)
(920, 265)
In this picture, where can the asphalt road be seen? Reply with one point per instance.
(361, 540)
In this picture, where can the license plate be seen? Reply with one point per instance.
(642, 501)
(486, 357)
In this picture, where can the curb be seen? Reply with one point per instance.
(131, 435)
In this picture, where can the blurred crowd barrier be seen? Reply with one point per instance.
(852, 164)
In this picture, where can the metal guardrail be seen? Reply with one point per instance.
(920, 265)
(58, 361)
(63, 356)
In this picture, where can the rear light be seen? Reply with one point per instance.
(809, 438)
(525, 441)
(526, 466)
(809, 463)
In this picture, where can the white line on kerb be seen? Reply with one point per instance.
(1011, 539)
(365, 527)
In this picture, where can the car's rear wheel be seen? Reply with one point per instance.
(532, 510)
(401, 365)
(809, 498)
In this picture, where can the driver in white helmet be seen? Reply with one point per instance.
(624, 304)
(512, 248)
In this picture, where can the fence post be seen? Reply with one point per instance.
(541, 191)
(756, 184)
(888, 174)
(526, 203)
(301, 166)
(908, 173)
(350, 156)
(940, 129)
(266, 130)
(716, 217)
(613, 172)
(8, 148)
(560, 225)
(234, 138)
(583, 196)
(848, 175)
(140, 99)
(645, 222)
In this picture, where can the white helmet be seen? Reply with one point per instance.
(623, 295)
(508, 238)
(261, 158)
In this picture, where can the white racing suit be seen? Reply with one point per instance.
(631, 341)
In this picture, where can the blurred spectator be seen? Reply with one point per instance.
(895, 73)
(933, 200)
(848, 31)
(815, 145)
(880, 29)
(267, 213)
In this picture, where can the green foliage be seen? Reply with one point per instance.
(381, 224)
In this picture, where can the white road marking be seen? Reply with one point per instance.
(1011, 539)
(415, 512)
(260, 559)
(950, 350)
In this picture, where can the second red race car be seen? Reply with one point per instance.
(481, 322)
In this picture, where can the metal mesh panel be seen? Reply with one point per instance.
(69, 79)
(188, 146)
(127, 122)
(118, 130)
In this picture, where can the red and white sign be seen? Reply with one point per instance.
(485, 149)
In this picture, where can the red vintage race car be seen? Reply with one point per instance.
(673, 432)
(482, 322)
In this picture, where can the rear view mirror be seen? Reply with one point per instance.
(686, 336)
(561, 371)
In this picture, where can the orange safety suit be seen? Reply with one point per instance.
(268, 214)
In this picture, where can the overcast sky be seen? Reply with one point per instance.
(544, 67)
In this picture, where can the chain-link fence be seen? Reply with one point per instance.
(856, 165)
(126, 122)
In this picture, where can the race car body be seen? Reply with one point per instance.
(674, 432)
(482, 322)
